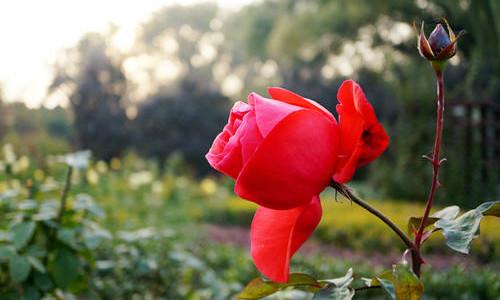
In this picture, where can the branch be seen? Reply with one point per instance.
(344, 190)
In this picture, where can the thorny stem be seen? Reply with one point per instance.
(345, 191)
(64, 195)
(435, 161)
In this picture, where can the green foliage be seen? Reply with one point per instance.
(45, 244)
(174, 257)
(259, 287)
(337, 289)
(400, 283)
(459, 232)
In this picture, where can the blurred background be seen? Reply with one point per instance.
(147, 85)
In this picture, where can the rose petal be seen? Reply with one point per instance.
(250, 137)
(270, 112)
(294, 162)
(229, 161)
(287, 96)
(225, 154)
(375, 141)
(352, 99)
(362, 138)
(277, 234)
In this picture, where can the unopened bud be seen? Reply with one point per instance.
(441, 45)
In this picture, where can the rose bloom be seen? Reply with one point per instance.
(283, 152)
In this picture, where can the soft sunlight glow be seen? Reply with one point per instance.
(34, 33)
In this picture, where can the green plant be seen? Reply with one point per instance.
(46, 245)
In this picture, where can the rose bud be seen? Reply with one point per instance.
(440, 45)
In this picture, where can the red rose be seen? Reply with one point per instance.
(283, 152)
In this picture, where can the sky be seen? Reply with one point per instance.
(33, 33)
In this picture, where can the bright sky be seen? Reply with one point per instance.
(33, 33)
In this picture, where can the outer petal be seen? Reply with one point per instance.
(287, 96)
(270, 112)
(353, 100)
(277, 234)
(237, 142)
(293, 163)
(362, 138)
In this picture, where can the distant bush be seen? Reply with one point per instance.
(185, 121)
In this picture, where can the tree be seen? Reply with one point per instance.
(185, 113)
(98, 90)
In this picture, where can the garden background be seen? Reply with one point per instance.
(148, 100)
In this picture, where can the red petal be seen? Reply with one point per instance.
(250, 137)
(293, 163)
(225, 153)
(287, 96)
(269, 112)
(374, 144)
(353, 99)
(362, 138)
(277, 234)
(229, 162)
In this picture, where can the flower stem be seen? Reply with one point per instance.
(345, 191)
(435, 160)
(64, 195)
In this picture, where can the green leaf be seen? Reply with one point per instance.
(68, 237)
(27, 205)
(43, 282)
(6, 252)
(48, 211)
(22, 233)
(86, 203)
(93, 235)
(335, 293)
(19, 268)
(31, 293)
(491, 208)
(5, 236)
(10, 294)
(449, 212)
(36, 251)
(414, 223)
(37, 264)
(65, 268)
(400, 283)
(337, 289)
(259, 287)
(459, 232)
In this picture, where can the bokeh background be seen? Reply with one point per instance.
(147, 85)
